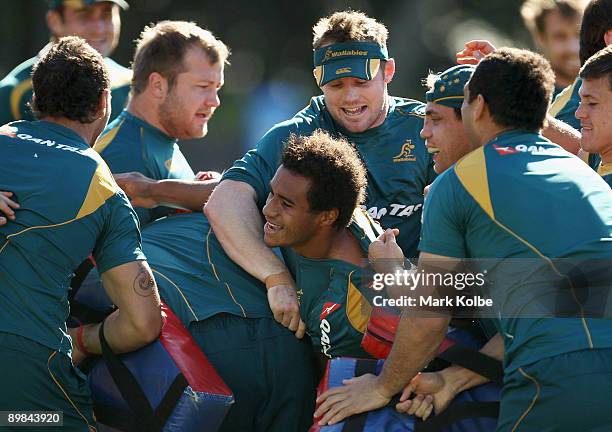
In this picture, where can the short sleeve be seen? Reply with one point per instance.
(120, 240)
(258, 166)
(443, 230)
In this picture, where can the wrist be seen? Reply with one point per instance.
(154, 191)
(382, 390)
(455, 378)
(80, 341)
(387, 266)
(280, 278)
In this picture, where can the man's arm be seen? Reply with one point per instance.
(563, 134)
(416, 343)
(237, 223)
(448, 383)
(147, 193)
(137, 321)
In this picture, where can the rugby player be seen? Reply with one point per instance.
(504, 108)
(595, 108)
(597, 97)
(314, 195)
(270, 372)
(178, 72)
(96, 21)
(353, 68)
(595, 34)
(69, 205)
(555, 28)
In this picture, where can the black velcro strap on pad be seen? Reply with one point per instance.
(475, 361)
(357, 422)
(125, 381)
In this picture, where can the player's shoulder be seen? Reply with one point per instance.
(315, 112)
(119, 75)
(567, 98)
(405, 107)
(303, 122)
(116, 133)
(364, 226)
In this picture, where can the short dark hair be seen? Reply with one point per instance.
(68, 81)
(598, 65)
(597, 20)
(337, 175)
(161, 48)
(517, 86)
(534, 12)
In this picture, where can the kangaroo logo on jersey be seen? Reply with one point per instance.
(405, 155)
(328, 308)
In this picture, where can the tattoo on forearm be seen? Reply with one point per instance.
(144, 283)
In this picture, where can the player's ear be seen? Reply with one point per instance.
(608, 37)
(389, 70)
(103, 104)
(480, 106)
(329, 217)
(158, 85)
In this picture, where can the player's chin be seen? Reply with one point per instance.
(270, 241)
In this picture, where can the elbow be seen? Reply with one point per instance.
(208, 209)
(211, 210)
(148, 326)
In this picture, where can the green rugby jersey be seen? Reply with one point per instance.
(194, 275)
(605, 171)
(564, 108)
(399, 166)
(566, 103)
(131, 144)
(70, 205)
(16, 90)
(521, 196)
(335, 299)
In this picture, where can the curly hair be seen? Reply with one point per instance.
(68, 81)
(348, 26)
(337, 175)
(597, 20)
(517, 86)
(161, 48)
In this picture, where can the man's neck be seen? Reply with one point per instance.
(491, 132)
(333, 244)
(87, 131)
(142, 107)
(606, 155)
(563, 81)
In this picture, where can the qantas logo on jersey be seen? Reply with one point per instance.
(45, 142)
(325, 326)
(328, 308)
(8, 131)
(522, 148)
(505, 150)
(399, 210)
